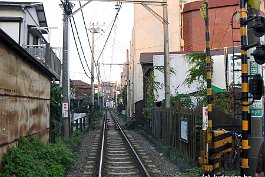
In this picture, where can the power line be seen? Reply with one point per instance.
(80, 43)
(97, 63)
(78, 49)
(84, 22)
(117, 13)
(114, 40)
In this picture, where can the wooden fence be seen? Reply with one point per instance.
(167, 125)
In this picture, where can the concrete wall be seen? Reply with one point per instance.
(24, 100)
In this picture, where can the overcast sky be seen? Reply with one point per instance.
(101, 13)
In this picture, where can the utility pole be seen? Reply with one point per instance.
(128, 85)
(116, 95)
(65, 72)
(98, 92)
(166, 56)
(93, 31)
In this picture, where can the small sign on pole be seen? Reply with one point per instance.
(203, 11)
(204, 118)
(65, 110)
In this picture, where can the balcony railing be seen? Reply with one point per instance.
(47, 57)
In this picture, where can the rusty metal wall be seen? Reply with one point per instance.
(24, 100)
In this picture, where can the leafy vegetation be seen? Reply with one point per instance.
(197, 74)
(33, 158)
(123, 94)
(56, 108)
(150, 98)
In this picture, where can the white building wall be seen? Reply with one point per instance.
(29, 16)
(177, 79)
(11, 12)
(181, 67)
(12, 29)
(148, 36)
(218, 78)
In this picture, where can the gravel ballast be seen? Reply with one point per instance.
(163, 164)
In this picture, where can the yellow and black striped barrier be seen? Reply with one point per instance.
(222, 143)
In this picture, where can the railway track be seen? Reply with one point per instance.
(116, 154)
(119, 158)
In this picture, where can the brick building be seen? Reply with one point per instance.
(220, 13)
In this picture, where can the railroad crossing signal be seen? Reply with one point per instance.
(259, 26)
(259, 30)
(256, 87)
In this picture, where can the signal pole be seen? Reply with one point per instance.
(244, 170)
(255, 136)
(207, 165)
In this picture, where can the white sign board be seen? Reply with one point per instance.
(65, 110)
(76, 116)
(204, 118)
(184, 130)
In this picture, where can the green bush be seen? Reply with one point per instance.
(32, 158)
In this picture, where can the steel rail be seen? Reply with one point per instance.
(100, 169)
(134, 153)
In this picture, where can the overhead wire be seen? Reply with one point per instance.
(114, 21)
(115, 18)
(80, 43)
(112, 55)
(84, 23)
(78, 49)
